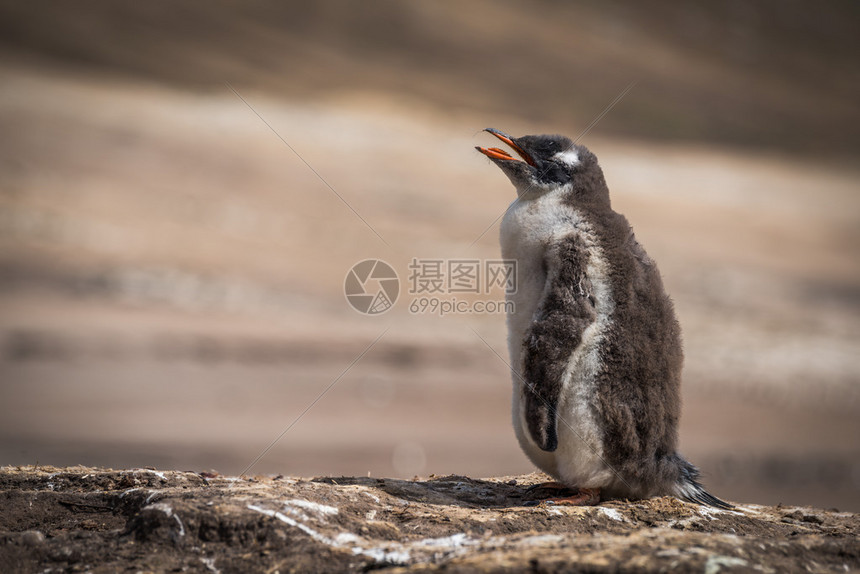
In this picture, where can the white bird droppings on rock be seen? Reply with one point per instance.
(316, 507)
(611, 513)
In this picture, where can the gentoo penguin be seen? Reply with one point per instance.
(594, 344)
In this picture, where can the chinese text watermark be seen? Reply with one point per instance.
(436, 286)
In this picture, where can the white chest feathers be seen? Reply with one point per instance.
(528, 230)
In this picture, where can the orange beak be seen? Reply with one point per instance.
(496, 153)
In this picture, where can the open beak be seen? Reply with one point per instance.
(497, 153)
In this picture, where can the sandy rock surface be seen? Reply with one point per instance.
(98, 520)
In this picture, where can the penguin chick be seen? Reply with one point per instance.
(594, 344)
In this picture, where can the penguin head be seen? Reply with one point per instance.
(548, 162)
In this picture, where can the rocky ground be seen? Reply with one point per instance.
(99, 520)
(167, 298)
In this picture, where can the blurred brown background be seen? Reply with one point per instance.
(171, 273)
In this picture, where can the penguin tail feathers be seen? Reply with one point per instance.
(690, 489)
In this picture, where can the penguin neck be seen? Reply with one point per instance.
(530, 191)
(589, 191)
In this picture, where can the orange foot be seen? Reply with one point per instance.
(585, 497)
(554, 487)
(558, 493)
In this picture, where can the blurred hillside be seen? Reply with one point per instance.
(772, 73)
(171, 273)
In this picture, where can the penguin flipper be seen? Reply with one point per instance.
(565, 311)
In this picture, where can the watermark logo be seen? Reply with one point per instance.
(371, 287)
(436, 286)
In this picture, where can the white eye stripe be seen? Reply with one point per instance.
(568, 157)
